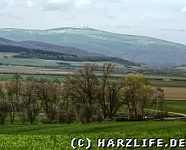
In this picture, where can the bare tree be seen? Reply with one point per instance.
(13, 90)
(48, 93)
(82, 90)
(109, 92)
(114, 98)
(32, 104)
(3, 105)
(159, 97)
(107, 68)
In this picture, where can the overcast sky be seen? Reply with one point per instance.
(165, 19)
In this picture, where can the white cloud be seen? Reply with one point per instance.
(184, 10)
(66, 5)
(58, 1)
(5, 3)
(82, 4)
(30, 3)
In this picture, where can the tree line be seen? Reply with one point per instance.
(84, 97)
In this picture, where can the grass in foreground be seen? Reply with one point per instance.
(45, 137)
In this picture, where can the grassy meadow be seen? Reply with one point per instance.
(177, 106)
(6, 77)
(57, 137)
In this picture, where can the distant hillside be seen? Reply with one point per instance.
(134, 48)
(34, 49)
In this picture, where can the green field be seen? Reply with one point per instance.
(11, 61)
(6, 77)
(53, 137)
(154, 82)
(170, 83)
(28, 62)
(58, 137)
(177, 106)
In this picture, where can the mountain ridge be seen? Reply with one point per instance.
(88, 28)
(142, 49)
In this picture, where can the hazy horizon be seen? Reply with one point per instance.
(154, 18)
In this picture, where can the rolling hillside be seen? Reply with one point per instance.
(40, 50)
(141, 49)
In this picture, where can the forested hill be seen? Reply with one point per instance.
(34, 49)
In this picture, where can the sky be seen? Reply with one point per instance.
(164, 19)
